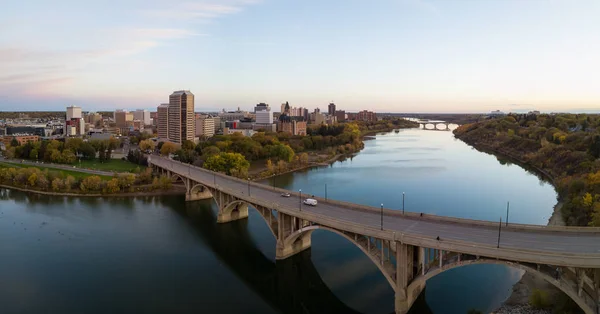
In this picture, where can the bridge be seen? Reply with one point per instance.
(405, 246)
(423, 125)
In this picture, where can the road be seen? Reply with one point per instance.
(56, 166)
(465, 237)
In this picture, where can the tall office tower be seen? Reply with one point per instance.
(181, 115)
(162, 117)
(331, 110)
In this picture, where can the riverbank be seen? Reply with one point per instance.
(174, 190)
(518, 301)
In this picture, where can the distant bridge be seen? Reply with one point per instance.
(403, 245)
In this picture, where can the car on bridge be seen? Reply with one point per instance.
(285, 195)
(310, 201)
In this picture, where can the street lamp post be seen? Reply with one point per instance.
(507, 207)
(215, 179)
(325, 191)
(381, 216)
(300, 200)
(402, 203)
(499, 229)
(248, 186)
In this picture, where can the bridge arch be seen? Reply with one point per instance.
(238, 209)
(176, 177)
(303, 235)
(561, 285)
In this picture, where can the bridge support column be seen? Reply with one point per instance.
(239, 212)
(286, 226)
(405, 297)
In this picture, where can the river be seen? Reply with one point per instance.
(160, 254)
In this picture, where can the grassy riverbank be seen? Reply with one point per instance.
(563, 150)
(562, 147)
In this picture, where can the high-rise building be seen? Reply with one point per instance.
(74, 123)
(331, 108)
(264, 115)
(181, 117)
(292, 125)
(162, 121)
(143, 116)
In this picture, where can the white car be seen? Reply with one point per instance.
(310, 201)
(285, 195)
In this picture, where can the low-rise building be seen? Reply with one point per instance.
(245, 132)
(22, 139)
(366, 115)
(292, 125)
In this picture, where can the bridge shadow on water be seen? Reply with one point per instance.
(292, 285)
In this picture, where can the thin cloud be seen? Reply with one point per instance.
(202, 11)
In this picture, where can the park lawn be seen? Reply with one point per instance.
(114, 165)
(75, 174)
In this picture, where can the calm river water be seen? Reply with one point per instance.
(163, 255)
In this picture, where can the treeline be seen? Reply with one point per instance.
(66, 152)
(32, 178)
(281, 151)
(565, 147)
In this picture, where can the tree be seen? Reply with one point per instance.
(147, 145)
(270, 167)
(225, 162)
(303, 159)
(126, 180)
(32, 179)
(68, 157)
(188, 145)
(69, 182)
(33, 154)
(74, 144)
(595, 147)
(112, 186)
(168, 148)
(281, 152)
(91, 184)
(87, 151)
(57, 184)
(14, 142)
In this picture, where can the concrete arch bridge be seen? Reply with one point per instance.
(404, 246)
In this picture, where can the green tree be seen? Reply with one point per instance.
(69, 182)
(188, 145)
(225, 162)
(14, 142)
(281, 152)
(87, 151)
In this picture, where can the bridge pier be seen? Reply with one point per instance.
(240, 211)
(284, 251)
(406, 295)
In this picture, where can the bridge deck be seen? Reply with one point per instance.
(578, 248)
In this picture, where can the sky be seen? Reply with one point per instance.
(381, 55)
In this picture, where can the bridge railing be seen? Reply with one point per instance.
(399, 213)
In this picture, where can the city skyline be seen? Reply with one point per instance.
(392, 56)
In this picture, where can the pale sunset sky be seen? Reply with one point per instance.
(383, 55)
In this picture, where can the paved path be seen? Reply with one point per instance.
(56, 166)
(558, 244)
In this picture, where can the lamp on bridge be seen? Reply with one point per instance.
(248, 186)
(300, 200)
(381, 216)
(402, 203)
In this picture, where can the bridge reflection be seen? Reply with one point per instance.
(292, 285)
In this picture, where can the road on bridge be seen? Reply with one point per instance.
(543, 240)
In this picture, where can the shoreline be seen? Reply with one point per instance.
(175, 190)
(518, 301)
